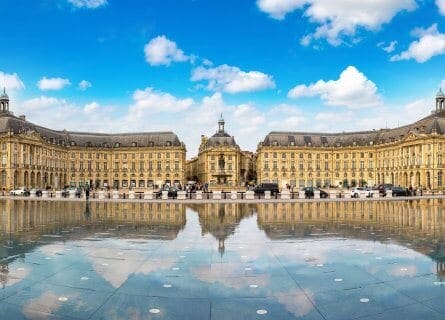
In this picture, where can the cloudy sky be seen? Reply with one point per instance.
(267, 65)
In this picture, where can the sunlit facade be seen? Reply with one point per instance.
(34, 156)
(411, 155)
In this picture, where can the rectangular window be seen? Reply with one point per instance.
(105, 166)
(176, 165)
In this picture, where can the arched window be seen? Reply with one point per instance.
(3, 179)
(117, 144)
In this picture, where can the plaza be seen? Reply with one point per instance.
(140, 260)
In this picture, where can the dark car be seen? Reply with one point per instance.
(172, 192)
(400, 192)
(383, 187)
(65, 193)
(262, 187)
(310, 191)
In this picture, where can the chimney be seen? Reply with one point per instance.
(22, 117)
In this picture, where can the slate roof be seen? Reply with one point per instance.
(432, 123)
(9, 122)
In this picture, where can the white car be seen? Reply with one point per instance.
(359, 192)
(19, 192)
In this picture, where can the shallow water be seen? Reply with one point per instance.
(328, 260)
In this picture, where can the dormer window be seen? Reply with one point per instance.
(134, 144)
(292, 143)
(105, 145)
(168, 143)
(72, 143)
(371, 143)
(151, 144)
(338, 144)
(275, 143)
(354, 143)
(117, 144)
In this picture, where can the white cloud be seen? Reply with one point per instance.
(10, 81)
(162, 51)
(232, 79)
(352, 89)
(89, 4)
(84, 84)
(53, 83)
(278, 9)
(441, 5)
(389, 47)
(338, 18)
(149, 101)
(430, 43)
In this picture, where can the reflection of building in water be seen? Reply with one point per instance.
(221, 220)
(31, 219)
(420, 222)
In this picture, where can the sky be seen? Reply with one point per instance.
(266, 65)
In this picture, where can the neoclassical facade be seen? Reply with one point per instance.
(220, 161)
(34, 156)
(410, 155)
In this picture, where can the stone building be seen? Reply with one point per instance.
(410, 155)
(34, 156)
(220, 161)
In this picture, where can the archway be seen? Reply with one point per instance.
(16, 179)
(3, 179)
(417, 179)
(39, 180)
(428, 180)
(33, 179)
(26, 179)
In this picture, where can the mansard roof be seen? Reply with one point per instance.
(11, 123)
(434, 123)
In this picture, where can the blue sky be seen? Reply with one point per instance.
(294, 65)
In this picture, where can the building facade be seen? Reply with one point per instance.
(36, 157)
(410, 155)
(220, 161)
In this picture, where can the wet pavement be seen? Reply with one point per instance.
(327, 260)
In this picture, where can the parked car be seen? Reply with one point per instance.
(38, 192)
(19, 192)
(400, 192)
(383, 187)
(310, 191)
(262, 187)
(172, 192)
(358, 192)
(65, 193)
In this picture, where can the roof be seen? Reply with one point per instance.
(9, 122)
(432, 123)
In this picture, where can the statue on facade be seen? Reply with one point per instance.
(221, 162)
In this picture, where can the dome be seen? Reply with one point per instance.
(4, 95)
(440, 94)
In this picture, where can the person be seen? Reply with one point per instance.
(87, 191)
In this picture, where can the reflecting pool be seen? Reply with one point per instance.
(122, 260)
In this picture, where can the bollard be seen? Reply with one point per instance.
(285, 194)
(316, 194)
(148, 195)
(267, 194)
(233, 195)
(199, 195)
(301, 194)
(115, 194)
(250, 195)
(181, 195)
(44, 194)
(130, 194)
(101, 195)
(216, 195)
(58, 194)
(389, 193)
(164, 195)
